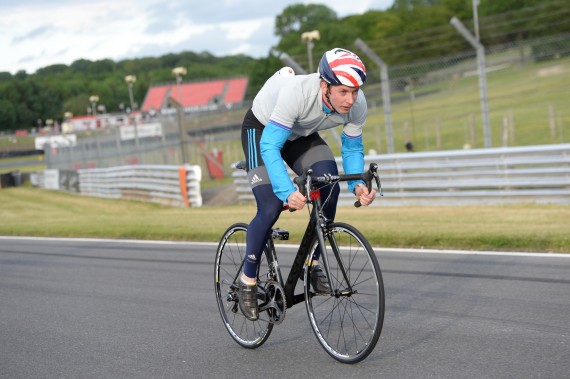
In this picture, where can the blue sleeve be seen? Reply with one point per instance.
(272, 140)
(352, 157)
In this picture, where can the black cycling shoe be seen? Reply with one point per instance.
(319, 281)
(248, 301)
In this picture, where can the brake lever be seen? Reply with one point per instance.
(378, 184)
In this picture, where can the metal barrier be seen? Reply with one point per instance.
(535, 174)
(168, 185)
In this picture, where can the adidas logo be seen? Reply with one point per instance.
(255, 179)
(252, 257)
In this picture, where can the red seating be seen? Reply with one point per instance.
(196, 94)
(236, 91)
(154, 98)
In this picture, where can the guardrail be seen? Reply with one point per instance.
(168, 185)
(536, 174)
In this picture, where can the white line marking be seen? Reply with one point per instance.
(290, 246)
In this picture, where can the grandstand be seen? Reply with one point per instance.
(196, 96)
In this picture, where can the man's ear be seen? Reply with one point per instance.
(324, 86)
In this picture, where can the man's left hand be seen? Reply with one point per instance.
(364, 196)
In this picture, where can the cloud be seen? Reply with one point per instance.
(250, 38)
(109, 29)
(37, 32)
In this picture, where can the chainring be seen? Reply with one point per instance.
(274, 303)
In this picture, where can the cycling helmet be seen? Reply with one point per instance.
(340, 66)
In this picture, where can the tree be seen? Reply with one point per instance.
(403, 5)
(52, 70)
(261, 70)
(77, 104)
(7, 115)
(4, 75)
(301, 18)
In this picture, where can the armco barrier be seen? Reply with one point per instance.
(169, 185)
(534, 174)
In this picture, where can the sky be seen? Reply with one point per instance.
(39, 33)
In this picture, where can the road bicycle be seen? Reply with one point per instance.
(348, 322)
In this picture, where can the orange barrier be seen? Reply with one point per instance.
(183, 185)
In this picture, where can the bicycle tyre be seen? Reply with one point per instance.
(347, 326)
(228, 265)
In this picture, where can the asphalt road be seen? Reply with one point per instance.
(110, 309)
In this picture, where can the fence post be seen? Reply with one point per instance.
(552, 121)
(480, 49)
(385, 83)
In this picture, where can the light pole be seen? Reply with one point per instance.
(130, 80)
(308, 38)
(66, 126)
(93, 100)
(179, 72)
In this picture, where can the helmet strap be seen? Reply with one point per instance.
(328, 101)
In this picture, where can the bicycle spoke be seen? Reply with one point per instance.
(229, 261)
(348, 323)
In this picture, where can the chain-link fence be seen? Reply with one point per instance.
(435, 105)
(211, 140)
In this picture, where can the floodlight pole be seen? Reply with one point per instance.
(178, 72)
(308, 38)
(480, 49)
(130, 80)
(385, 83)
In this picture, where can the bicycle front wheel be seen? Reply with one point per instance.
(228, 267)
(348, 322)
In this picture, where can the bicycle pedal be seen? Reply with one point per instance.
(280, 234)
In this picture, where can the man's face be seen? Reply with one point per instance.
(342, 97)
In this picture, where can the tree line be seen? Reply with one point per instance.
(409, 30)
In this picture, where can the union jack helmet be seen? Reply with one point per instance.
(340, 66)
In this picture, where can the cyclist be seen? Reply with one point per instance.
(283, 125)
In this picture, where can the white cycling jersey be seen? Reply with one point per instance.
(295, 103)
(291, 107)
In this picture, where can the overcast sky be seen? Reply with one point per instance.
(39, 33)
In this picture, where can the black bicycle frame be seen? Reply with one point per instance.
(297, 266)
(296, 271)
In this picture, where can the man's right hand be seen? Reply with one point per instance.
(296, 200)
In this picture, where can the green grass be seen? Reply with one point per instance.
(521, 94)
(11, 142)
(28, 211)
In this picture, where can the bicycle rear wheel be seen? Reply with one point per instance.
(348, 322)
(228, 267)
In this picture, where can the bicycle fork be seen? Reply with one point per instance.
(323, 221)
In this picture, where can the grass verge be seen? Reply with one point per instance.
(28, 211)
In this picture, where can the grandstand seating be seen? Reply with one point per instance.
(196, 94)
(154, 98)
(236, 91)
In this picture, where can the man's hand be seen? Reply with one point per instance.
(363, 195)
(296, 200)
